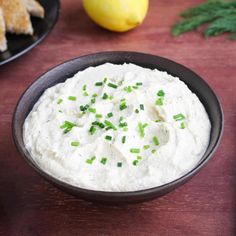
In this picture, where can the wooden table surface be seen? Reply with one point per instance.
(206, 205)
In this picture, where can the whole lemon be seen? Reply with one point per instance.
(117, 15)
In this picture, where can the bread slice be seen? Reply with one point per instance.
(3, 41)
(34, 8)
(16, 17)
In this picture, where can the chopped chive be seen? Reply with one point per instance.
(136, 111)
(72, 98)
(111, 97)
(105, 80)
(84, 108)
(98, 116)
(92, 130)
(146, 147)
(98, 83)
(139, 158)
(105, 96)
(141, 106)
(107, 137)
(123, 106)
(109, 115)
(139, 84)
(182, 125)
(179, 116)
(128, 89)
(112, 85)
(121, 118)
(135, 87)
(85, 94)
(84, 87)
(141, 130)
(67, 126)
(159, 101)
(122, 125)
(59, 101)
(94, 95)
(135, 162)
(123, 139)
(155, 140)
(60, 111)
(135, 150)
(125, 129)
(104, 160)
(99, 124)
(119, 164)
(75, 144)
(92, 110)
(109, 124)
(157, 121)
(161, 93)
(90, 161)
(93, 100)
(154, 151)
(108, 128)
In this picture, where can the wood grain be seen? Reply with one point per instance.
(204, 206)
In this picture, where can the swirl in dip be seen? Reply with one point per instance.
(117, 128)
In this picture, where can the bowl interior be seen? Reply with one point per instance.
(68, 69)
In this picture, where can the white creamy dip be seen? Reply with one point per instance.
(149, 129)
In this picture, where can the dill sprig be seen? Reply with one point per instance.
(220, 14)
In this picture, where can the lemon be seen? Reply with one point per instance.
(117, 15)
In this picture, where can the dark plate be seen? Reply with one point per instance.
(69, 68)
(21, 44)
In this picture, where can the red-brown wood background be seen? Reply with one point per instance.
(204, 206)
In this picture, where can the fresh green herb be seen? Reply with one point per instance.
(135, 162)
(105, 96)
(84, 87)
(128, 89)
(219, 13)
(105, 80)
(75, 144)
(94, 95)
(161, 93)
(59, 101)
(139, 158)
(99, 124)
(107, 137)
(110, 125)
(135, 87)
(139, 84)
(159, 101)
(112, 85)
(122, 125)
(92, 130)
(119, 164)
(67, 126)
(84, 108)
(123, 139)
(136, 111)
(155, 140)
(72, 98)
(179, 116)
(111, 97)
(92, 110)
(98, 116)
(90, 161)
(157, 121)
(123, 105)
(125, 129)
(154, 151)
(182, 125)
(60, 111)
(121, 118)
(141, 128)
(85, 94)
(109, 115)
(146, 147)
(135, 150)
(93, 100)
(141, 106)
(104, 160)
(98, 83)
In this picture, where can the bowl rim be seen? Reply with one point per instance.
(101, 193)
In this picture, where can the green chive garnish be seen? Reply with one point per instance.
(125, 129)
(99, 124)
(179, 116)
(135, 150)
(122, 125)
(119, 164)
(104, 160)
(112, 85)
(141, 130)
(72, 98)
(98, 83)
(109, 124)
(161, 93)
(93, 100)
(92, 130)
(109, 115)
(139, 84)
(59, 101)
(135, 162)
(182, 125)
(85, 94)
(123, 139)
(159, 101)
(135, 87)
(105, 96)
(154, 151)
(111, 97)
(146, 147)
(75, 144)
(60, 111)
(67, 126)
(123, 105)
(90, 161)
(98, 116)
(128, 89)
(94, 95)
(157, 121)
(136, 111)
(139, 158)
(84, 108)
(107, 137)
(105, 80)
(155, 141)
(84, 87)
(141, 106)
(92, 110)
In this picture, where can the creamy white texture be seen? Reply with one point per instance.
(181, 144)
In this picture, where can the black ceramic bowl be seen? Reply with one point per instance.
(62, 72)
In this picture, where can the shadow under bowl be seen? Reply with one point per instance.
(66, 70)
